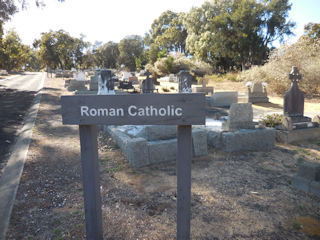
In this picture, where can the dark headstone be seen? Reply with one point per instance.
(105, 82)
(294, 98)
(293, 107)
(147, 84)
(185, 80)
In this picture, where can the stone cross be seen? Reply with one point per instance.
(105, 82)
(185, 79)
(147, 84)
(294, 98)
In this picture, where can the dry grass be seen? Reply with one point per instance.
(304, 54)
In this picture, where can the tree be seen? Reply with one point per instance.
(59, 50)
(312, 30)
(13, 54)
(236, 33)
(7, 9)
(168, 32)
(107, 55)
(130, 48)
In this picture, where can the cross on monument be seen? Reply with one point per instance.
(294, 75)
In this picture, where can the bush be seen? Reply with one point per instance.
(272, 120)
(176, 63)
(305, 54)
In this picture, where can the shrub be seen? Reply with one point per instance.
(304, 54)
(272, 120)
(176, 63)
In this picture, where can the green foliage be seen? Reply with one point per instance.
(168, 32)
(304, 54)
(312, 30)
(229, 34)
(272, 120)
(130, 48)
(7, 9)
(178, 62)
(13, 54)
(106, 56)
(59, 50)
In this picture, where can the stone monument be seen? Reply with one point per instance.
(257, 93)
(240, 117)
(205, 89)
(147, 84)
(105, 82)
(185, 80)
(293, 107)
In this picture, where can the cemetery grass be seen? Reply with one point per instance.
(234, 195)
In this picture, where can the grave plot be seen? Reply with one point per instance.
(295, 126)
(145, 145)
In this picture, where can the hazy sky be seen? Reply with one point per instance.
(113, 20)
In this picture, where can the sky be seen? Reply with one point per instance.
(113, 20)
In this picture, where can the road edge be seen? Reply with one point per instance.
(10, 178)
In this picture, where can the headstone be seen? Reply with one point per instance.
(94, 82)
(308, 178)
(240, 117)
(79, 76)
(133, 79)
(3, 72)
(223, 99)
(125, 76)
(105, 82)
(203, 89)
(293, 107)
(258, 93)
(185, 80)
(147, 84)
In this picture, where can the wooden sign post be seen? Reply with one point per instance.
(87, 111)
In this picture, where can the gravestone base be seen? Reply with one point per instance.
(76, 85)
(242, 140)
(308, 178)
(205, 90)
(149, 145)
(222, 99)
(297, 135)
(235, 126)
(258, 99)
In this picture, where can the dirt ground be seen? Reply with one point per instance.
(244, 195)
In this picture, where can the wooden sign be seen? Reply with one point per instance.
(157, 109)
(144, 109)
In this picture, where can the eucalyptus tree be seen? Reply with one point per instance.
(236, 33)
(168, 32)
(106, 55)
(13, 54)
(131, 48)
(60, 50)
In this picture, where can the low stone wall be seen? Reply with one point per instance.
(297, 135)
(242, 140)
(143, 151)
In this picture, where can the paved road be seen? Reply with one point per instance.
(29, 81)
(19, 98)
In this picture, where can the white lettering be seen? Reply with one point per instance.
(84, 110)
(162, 112)
(120, 112)
(132, 110)
(93, 112)
(178, 112)
(102, 112)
